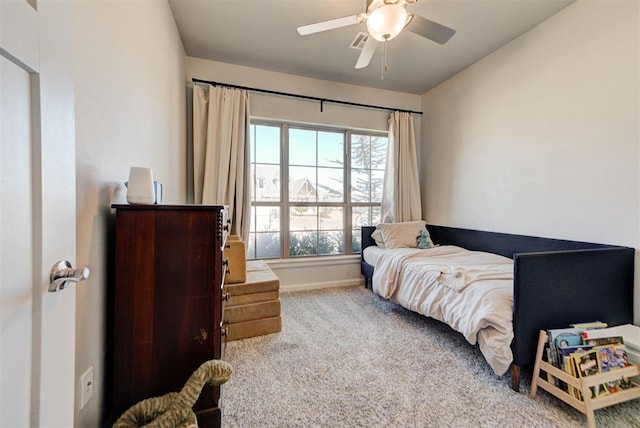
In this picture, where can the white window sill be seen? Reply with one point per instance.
(300, 262)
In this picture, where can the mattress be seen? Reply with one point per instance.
(470, 291)
(372, 253)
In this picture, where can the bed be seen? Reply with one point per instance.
(554, 283)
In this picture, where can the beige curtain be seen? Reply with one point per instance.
(401, 190)
(221, 152)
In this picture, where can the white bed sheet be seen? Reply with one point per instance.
(470, 291)
(371, 253)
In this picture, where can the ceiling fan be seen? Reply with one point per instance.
(385, 19)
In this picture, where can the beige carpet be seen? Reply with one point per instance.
(347, 358)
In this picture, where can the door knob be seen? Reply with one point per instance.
(62, 272)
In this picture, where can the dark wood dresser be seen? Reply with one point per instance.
(166, 302)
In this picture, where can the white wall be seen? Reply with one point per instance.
(291, 109)
(298, 274)
(130, 111)
(542, 136)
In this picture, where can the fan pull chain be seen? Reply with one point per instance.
(384, 59)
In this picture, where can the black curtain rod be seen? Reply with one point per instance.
(305, 97)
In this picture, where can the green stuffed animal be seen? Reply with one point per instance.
(424, 240)
(174, 409)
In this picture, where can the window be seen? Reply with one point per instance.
(312, 189)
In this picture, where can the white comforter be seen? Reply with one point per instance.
(470, 291)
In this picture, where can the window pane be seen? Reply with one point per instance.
(303, 244)
(360, 153)
(331, 242)
(252, 142)
(331, 149)
(377, 182)
(356, 240)
(268, 245)
(360, 185)
(266, 183)
(252, 224)
(253, 181)
(331, 218)
(251, 246)
(302, 184)
(330, 185)
(303, 218)
(267, 219)
(375, 215)
(266, 144)
(378, 152)
(302, 147)
(360, 216)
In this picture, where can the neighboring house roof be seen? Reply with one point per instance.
(301, 188)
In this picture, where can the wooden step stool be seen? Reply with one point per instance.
(253, 307)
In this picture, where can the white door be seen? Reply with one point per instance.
(37, 213)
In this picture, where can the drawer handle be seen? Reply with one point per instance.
(225, 262)
(225, 297)
(227, 245)
(226, 227)
(223, 332)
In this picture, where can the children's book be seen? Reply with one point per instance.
(612, 357)
(587, 365)
(563, 337)
(566, 351)
(590, 325)
(566, 337)
(565, 354)
(601, 341)
(620, 330)
(568, 366)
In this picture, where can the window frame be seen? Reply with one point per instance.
(285, 204)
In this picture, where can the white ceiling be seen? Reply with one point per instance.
(262, 34)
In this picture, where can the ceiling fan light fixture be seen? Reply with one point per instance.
(387, 21)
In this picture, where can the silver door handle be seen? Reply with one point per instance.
(62, 272)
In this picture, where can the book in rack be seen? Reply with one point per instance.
(601, 376)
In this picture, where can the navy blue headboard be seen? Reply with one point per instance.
(505, 244)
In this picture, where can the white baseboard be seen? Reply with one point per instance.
(319, 285)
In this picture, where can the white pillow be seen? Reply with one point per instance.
(400, 235)
(377, 236)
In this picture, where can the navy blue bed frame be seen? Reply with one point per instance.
(556, 282)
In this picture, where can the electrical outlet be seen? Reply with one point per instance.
(86, 387)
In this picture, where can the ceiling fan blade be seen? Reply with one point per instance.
(431, 30)
(367, 53)
(329, 25)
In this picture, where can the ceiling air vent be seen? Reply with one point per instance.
(359, 41)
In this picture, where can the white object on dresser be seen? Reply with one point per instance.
(140, 189)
